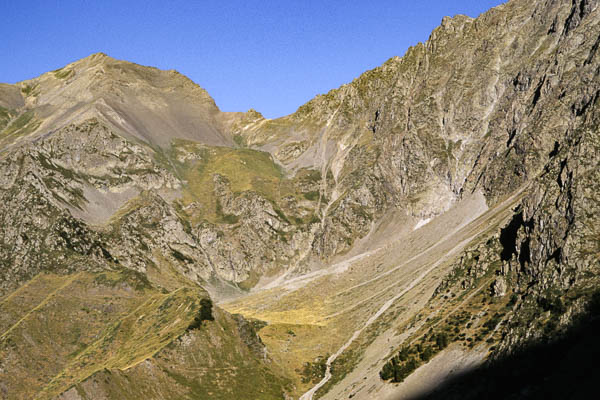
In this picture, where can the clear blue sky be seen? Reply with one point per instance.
(271, 55)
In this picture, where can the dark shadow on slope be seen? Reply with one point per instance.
(564, 368)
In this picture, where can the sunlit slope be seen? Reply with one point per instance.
(223, 359)
(58, 330)
(313, 315)
(143, 103)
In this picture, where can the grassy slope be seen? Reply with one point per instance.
(76, 325)
(5, 116)
(11, 128)
(58, 331)
(211, 362)
(244, 169)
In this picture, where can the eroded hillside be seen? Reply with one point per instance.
(434, 215)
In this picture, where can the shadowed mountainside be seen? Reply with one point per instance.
(558, 366)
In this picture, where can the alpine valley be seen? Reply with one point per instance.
(428, 230)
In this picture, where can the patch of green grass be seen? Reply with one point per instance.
(223, 217)
(62, 73)
(5, 116)
(315, 219)
(314, 371)
(24, 124)
(312, 196)
(135, 279)
(250, 282)
(244, 169)
(281, 214)
(239, 140)
(28, 89)
(312, 175)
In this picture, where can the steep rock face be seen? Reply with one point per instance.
(550, 247)
(462, 111)
(39, 236)
(554, 251)
(540, 272)
(81, 171)
(543, 263)
(260, 241)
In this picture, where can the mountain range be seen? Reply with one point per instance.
(428, 230)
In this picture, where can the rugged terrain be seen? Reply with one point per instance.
(434, 217)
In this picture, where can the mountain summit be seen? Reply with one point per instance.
(144, 103)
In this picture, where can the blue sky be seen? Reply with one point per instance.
(269, 55)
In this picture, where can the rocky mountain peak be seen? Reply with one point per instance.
(144, 103)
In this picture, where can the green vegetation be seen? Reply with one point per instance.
(62, 73)
(28, 89)
(204, 314)
(19, 123)
(223, 217)
(250, 282)
(314, 371)
(239, 140)
(315, 219)
(441, 340)
(312, 196)
(22, 125)
(112, 279)
(397, 370)
(409, 358)
(5, 117)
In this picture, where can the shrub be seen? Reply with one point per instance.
(426, 354)
(312, 196)
(441, 341)
(204, 314)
